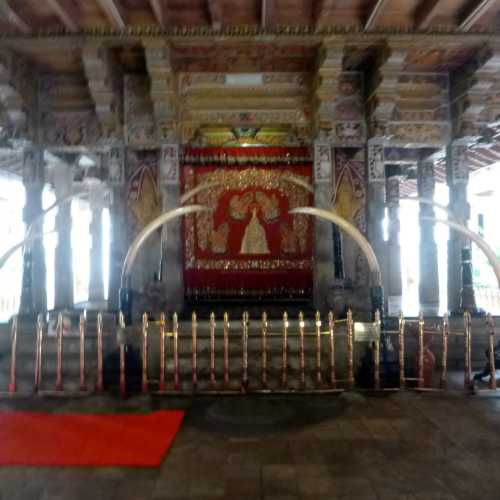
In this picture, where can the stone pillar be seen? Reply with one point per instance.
(97, 193)
(172, 261)
(34, 291)
(458, 178)
(429, 274)
(375, 206)
(394, 284)
(63, 283)
(114, 160)
(323, 273)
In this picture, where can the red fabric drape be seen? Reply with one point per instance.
(225, 253)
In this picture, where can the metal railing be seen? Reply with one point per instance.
(310, 372)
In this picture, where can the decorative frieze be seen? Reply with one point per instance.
(322, 162)
(169, 164)
(376, 163)
(105, 85)
(163, 88)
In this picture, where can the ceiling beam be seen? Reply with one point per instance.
(215, 12)
(374, 14)
(323, 7)
(425, 14)
(114, 13)
(159, 9)
(13, 17)
(64, 16)
(473, 16)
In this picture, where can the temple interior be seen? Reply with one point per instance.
(290, 202)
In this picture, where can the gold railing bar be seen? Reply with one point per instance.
(264, 350)
(175, 328)
(244, 360)
(350, 349)
(302, 359)
(331, 346)
(100, 382)
(59, 339)
(226, 349)
(491, 331)
(212, 350)
(13, 356)
(194, 350)
(144, 379)
(81, 329)
(162, 385)
(421, 326)
(444, 359)
(284, 367)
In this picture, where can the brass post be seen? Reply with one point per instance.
(100, 363)
(284, 376)
(302, 359)
(13, 356)
(38, 353)
(444, 361)
(491, 330)
(421, 325)
(162, 351)
(318, 348)
(175, 330)
(212, 350)
(350, 349)
(226, 349)
(244, 361)
(194, 349)
(82, 324)
(145, 326)
(59, 334)
(376, 355)
(331, 343)
(467, 368)
(264, 349)
(123, 382)
(402, 322)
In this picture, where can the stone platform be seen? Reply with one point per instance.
(349, 447)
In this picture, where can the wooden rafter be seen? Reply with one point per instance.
(158, 7)
(64, 16)
(321, 11)
(266, 13)
(374, 14)
(425, 14)
(215, 11)
(473, 16)
(114, 13)
(13, 17)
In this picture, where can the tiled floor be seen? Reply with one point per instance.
(399, 446)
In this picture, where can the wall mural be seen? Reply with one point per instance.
(249, 243)
(350, 202)
(142, 190)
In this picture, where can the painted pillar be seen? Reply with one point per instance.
(171, 265)
(459, 298)
(114, 160)
(375, 205)
(429, 275)
(323, 273)
(34, 290)
(97, 193)
(394, 282)
(63, 276)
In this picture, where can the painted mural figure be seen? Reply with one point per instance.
(254, 239)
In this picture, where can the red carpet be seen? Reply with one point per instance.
(29, 438)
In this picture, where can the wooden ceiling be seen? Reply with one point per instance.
(32, 16)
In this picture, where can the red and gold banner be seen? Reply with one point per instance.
(249, 244)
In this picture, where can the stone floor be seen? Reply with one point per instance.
(351, 446)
